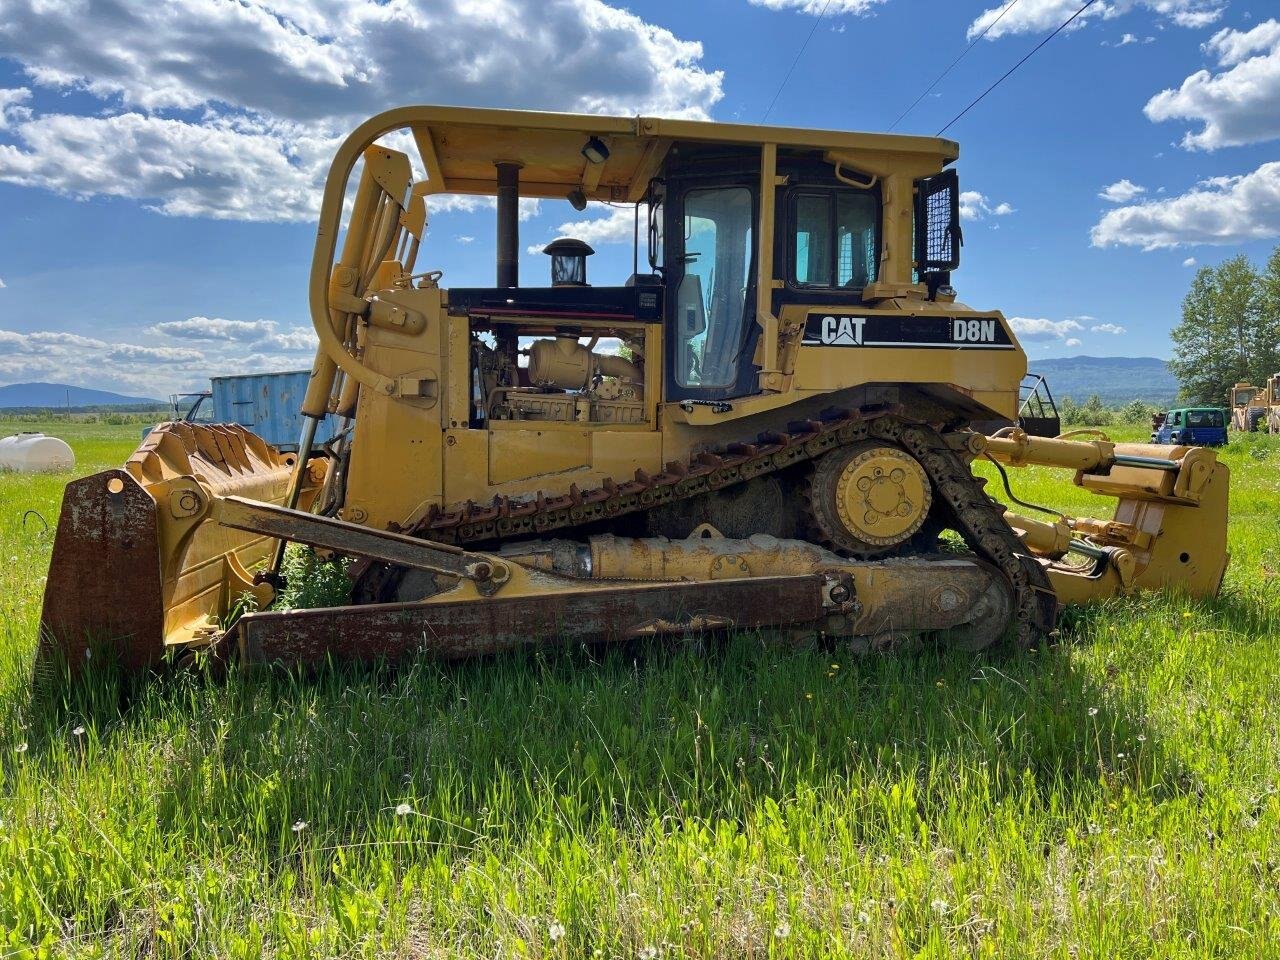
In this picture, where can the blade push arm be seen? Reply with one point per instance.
(1168, 530)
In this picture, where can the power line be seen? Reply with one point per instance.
(799, 54)
(1010, 71)
(943, 74)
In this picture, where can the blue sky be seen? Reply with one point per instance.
(159, 163)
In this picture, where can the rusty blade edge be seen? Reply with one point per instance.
(474, 628)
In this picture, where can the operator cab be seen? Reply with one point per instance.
(847, 229)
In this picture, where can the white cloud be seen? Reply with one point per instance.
(242, 122)
(1072, 342)
(297, 340)
(1122, 191)
(1128, 39)
(1189, 262)
(224, 169)
(974, 206)
(617, 226)
(64, 338)
(215, 328)
(1028, 328)
(13, 107)
(1041, 16)
(259, 334)
(464, 239)
(2, 284)
(1112, 328)
(818, 7)
(1237, 106)
(152, 369)
(133, 353)
(1223, 210)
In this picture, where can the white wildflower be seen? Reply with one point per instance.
(555, 931)
(1093, 711)
(20, 748)
(298, 826)
(403, 809)
(1094, 829)
(782, 930)
(77, 732)
(940, 907)
(648, 953)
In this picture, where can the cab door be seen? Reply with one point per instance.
(710, 251)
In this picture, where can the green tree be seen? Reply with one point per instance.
(1095, 413)
(1223, 337)
(1269, 315)
(1135, 411)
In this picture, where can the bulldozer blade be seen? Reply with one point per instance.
(104, 584)
(136, 569)
(461, 629)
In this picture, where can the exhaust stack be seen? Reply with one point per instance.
(508, 224)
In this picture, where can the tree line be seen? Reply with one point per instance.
(1230, 329)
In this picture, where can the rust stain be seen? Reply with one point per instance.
(474, 628)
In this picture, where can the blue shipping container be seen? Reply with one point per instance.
(269, 404)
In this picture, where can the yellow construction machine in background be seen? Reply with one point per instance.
(766, 425)
(1256, 408)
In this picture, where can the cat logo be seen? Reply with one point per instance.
(842, 331)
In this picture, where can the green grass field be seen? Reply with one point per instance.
(1114, 795)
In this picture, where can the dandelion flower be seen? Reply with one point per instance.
(20, 748)
(1142, 738)
(78, 732)
(298, 826)
(835, 666)
(940, 906)
(1094, 829)
(782, 930)
(1186, 614)
(555, 931)
(808, 696)
(648, 953)
(1093, 711)
(403, 809)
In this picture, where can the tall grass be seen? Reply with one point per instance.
(1111, 796)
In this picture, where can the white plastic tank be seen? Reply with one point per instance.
(35, 453)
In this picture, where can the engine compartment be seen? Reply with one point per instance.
(558, 378)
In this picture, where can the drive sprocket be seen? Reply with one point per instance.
(868, 499)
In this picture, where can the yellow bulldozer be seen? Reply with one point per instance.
(765, 426)
(1256, 408)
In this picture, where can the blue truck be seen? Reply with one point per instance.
(269, 404)
(1191, 426)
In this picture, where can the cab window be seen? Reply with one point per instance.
(711, 300)
(833, 244)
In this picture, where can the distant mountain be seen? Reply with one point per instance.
(1117, 380)
(65, 395)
